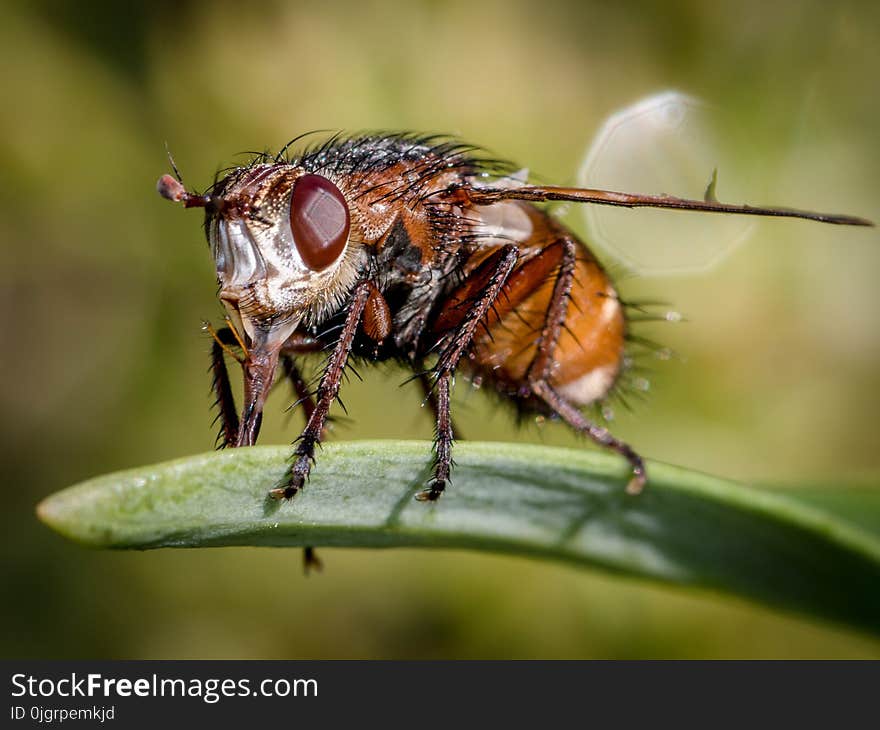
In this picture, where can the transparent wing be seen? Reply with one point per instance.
(663, 144)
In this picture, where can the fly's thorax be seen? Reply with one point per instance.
(281, 241)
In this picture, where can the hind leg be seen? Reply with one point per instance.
(539, 372)
(602, 436)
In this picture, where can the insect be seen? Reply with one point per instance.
(419, 249)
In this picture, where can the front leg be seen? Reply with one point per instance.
(304, 456)
(224, 339)
(224, 401)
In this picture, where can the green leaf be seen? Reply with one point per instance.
(687, 528)
(858, 505)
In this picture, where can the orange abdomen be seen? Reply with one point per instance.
(588, 355)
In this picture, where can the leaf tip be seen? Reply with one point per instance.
(50, 513)
(57, 513)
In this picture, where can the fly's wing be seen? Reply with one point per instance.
(665, 144)
(662, 148)
(668, 143)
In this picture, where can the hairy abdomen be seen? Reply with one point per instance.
(588, 355)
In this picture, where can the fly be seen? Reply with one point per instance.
(422, 250)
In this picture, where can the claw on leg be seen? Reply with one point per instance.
(432, 493)
(639, 479)
(574, 418)
(294, 479)
(283, 492)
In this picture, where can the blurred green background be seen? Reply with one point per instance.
(105, 286)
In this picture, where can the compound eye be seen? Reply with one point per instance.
(319, 221)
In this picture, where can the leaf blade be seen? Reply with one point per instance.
(562, 504)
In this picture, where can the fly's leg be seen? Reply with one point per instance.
(304, 455)
(432, 398)
(554, 319)
(443, 440)
(300, 388)
(258, 366)
(495, 274)
(538, 375)
(311, 561)
(295, 345)
(228, 342)
(224, 401)
(224, 339)
(304, 396)
(574, 418)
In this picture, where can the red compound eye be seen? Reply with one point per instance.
(319, 221)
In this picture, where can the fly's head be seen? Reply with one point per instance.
(280, 237)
